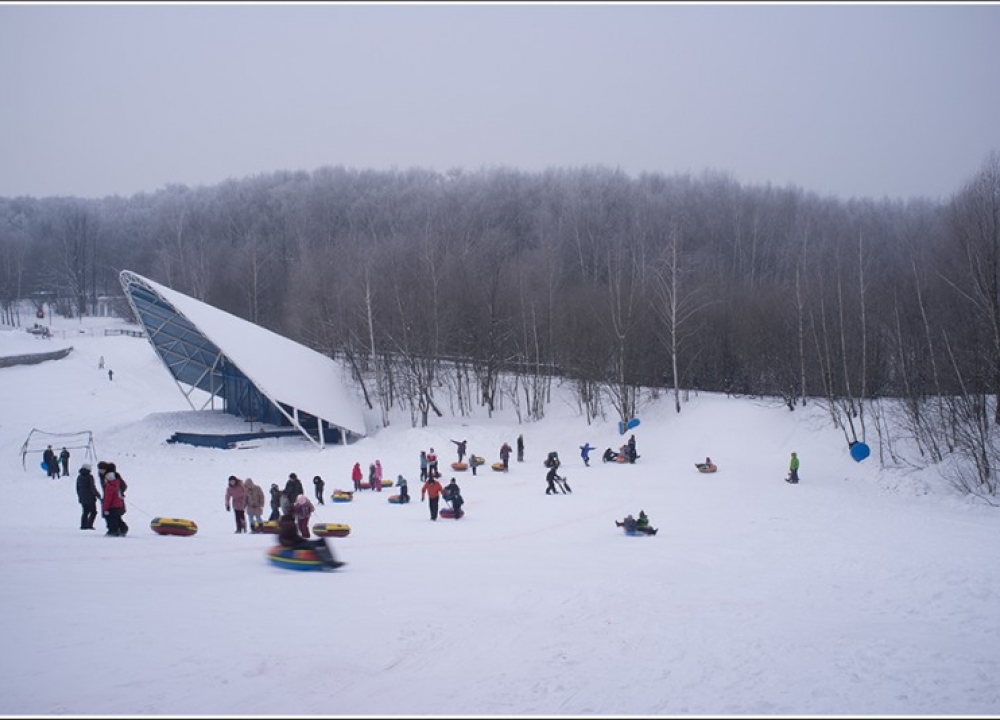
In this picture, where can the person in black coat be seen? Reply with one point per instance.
(461, 449)
(318, 482)
(293, 488)
(64, 461)
(550, 478)
(275, 502)
(88, 495)
(51, 462)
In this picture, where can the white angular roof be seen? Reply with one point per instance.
(281, 369)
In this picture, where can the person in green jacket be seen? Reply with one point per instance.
(642, 524)
(793, 467)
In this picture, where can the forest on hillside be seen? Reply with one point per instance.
(497, 281)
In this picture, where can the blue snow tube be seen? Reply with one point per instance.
(859, 451)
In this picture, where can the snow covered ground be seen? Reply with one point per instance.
(856, 592)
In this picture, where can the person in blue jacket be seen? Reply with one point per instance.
(585, 453)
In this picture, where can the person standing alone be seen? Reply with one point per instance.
(64, 461)
(793, 470)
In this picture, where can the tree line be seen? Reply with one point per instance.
(494, 283)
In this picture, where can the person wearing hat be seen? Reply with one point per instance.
(114, 502)
(303, 510)
(88, 495)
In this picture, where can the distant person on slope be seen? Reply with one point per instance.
(793, 469)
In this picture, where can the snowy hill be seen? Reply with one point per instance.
(859, 591)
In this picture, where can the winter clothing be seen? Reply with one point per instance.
(378, 476)
(288, 536)
(628, 523)
(461, 449)
(303, 510)
(404, 493)
(793, 469)
(585, 453)
(423, 466)
(453, 495)
(505, 456)
(432, 491)
(356, 476)
(114, 503)
(236, 501)
(642, 524)
(293, 488)
(550, 478)
(275, 502)
(520, 448)
(88, 495)
(475, 461)
(319, 485)
(255, 504)
(64, 461)
(51, 462)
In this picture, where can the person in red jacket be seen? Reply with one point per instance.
(356, 476)
(432, 490)
(114, 504)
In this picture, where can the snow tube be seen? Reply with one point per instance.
(270, 527)
(459, 466)
(386, 482)
(497, 466)
(621, 459)
(45, 466)
(331, 529)
(294, 559)
(859, 451)
(397, 499)
(173, 526)
(705, 468)
(450, 513)
(342, 496)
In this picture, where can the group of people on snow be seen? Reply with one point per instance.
(433, 492)
(111, 494)
(54, 462)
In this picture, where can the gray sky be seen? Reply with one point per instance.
(846, 100)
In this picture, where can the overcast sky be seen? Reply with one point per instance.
(846, 100)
